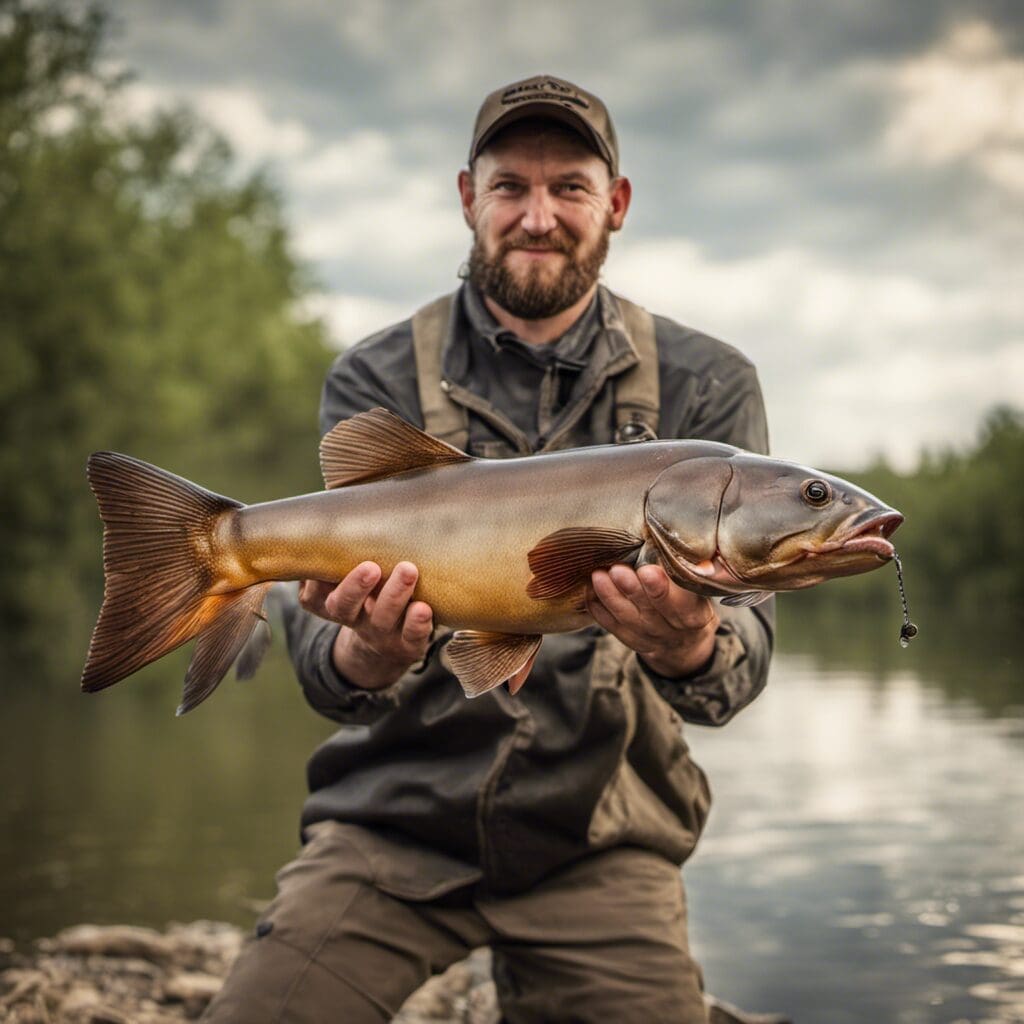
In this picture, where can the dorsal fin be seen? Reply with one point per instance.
(378, 444)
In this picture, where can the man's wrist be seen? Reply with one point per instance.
(685, 660)
(361, 666)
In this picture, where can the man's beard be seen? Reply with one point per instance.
(533, 295)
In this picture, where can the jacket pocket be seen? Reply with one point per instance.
(658, 797)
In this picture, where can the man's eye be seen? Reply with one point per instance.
(506, 186)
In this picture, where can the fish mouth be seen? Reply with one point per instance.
(710, 576)
(869, 532)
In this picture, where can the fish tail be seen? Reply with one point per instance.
(158, 561)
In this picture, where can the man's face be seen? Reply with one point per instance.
(541, 205)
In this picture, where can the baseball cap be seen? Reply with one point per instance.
(549, 97)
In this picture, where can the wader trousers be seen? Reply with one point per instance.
(603, 940)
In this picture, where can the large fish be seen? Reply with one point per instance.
(505, 548)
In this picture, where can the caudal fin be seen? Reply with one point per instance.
(157, 559)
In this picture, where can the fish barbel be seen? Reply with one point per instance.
(505, 547)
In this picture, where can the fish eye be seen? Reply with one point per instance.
(816, 492)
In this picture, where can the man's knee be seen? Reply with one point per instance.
(273, 983)
(535, 986)
(331, 941)
(605, 939)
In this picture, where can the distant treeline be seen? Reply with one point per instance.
(962, 544)
(150, 304)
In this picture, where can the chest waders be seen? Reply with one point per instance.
(637, 398)
(636, 408)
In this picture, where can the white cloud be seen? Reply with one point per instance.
(359, 203)
(962, 101)
(1005, 166)
(354, 201)
(353, 161)
(140, 99)
(237, 113)
(852, 361)
(352, 317)
(390, 229)
(793, 290)
(255, 135)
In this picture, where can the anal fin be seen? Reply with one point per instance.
(254, 649)
(483, 660)
(518, 681)
(235, 617)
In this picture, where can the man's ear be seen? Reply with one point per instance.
(468, 195)
(619, 194)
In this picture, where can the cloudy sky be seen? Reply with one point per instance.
(835, 187)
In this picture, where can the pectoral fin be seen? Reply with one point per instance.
(483, 661)
(378, 444)
(566, 558)
(747, 600)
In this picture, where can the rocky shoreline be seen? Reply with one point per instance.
(120, 974)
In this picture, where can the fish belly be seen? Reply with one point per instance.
(468, 529)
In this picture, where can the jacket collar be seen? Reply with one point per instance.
(597, 342)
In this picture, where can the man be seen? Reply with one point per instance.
(548, 825)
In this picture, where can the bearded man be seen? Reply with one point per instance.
(549, 825)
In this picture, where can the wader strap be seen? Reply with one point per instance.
(637, 394)
(442, 417)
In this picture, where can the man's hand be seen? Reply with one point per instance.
(383, 631)
(672, 629)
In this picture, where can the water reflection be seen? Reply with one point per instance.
(974, 655)
(114, 810)
(863, 861)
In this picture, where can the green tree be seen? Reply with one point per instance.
(150, 304)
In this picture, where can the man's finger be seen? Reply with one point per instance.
(671, 601)
(313, 593)
(681, 608)
(418, 624)
(394, 597)
(601, 615)
(618, 604)
(345, 602)
(629, 584)
(655, 581)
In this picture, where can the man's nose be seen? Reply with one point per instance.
(539, 217)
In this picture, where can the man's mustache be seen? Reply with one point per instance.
(548, 243)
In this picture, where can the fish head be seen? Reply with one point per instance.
(748, 523)
(784, 526)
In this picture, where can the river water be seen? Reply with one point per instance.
(864, 861)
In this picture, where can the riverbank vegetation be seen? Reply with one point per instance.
(151, 304)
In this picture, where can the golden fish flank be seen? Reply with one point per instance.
(505, 548)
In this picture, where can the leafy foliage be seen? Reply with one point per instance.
(151, 305)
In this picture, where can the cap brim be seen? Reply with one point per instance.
(549, 112)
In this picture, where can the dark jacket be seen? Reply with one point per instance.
(589, 754)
